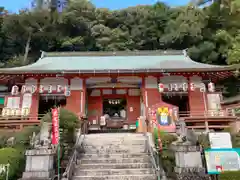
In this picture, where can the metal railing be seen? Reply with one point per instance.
(69, 171)
(155, 157)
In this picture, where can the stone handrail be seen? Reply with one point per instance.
(69, 171)
(150, 147)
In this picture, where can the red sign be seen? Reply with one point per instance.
(55, 126)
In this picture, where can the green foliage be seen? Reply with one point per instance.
(233, 175)
(15, 159)
(210, 33)
(68, 122)
(166, 155)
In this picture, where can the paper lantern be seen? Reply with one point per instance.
(202, 87)
(170, 87)
(25, 111)
(67, 91)
(41, 89)
(23, 89)
(211, 87)
(14, 90)
(49, 89)
(161, 87)
(13, 112)
(4, 112)
(175, 87)
(185, 87)
(59, 88)
(192, 87)
(33, 89)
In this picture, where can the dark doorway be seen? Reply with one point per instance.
(115, 108)
(181, 101)
(48, 102)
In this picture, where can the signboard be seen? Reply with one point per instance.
(220, 140)
(55, 126)
(220, 160)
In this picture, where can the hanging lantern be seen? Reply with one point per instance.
(185, 87)
(192, 87)
(67, 91)
(211, 87)
(23, 89)
(110, 102)
(14, 90)
(59, 88)
(202, 87)
(175, 87)
(41, 89)
(49, 89)
(33, 89)
(170, 87)
(161, 87)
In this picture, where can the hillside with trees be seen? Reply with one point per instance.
(211, 34)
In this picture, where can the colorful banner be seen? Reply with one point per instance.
(220, 160)
(55, 126)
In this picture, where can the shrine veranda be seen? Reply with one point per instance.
(161, 85)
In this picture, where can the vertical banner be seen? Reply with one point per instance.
(55, 126)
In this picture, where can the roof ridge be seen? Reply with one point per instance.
(113, 53)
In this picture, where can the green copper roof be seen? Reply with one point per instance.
(142, 61)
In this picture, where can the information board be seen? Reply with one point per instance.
(220, 140)
(220, 160)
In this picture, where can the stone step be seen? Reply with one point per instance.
(115, 150)
(114, 166)
(114, 155)
(117, 177)
(106, 172)
(116, 135)
(114, 160)
(114, 142)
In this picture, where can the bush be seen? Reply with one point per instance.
(233, 175)
(15, 159)
(22, 138)
(68, 122)
(166, 155)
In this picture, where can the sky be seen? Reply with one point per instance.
(15, 5)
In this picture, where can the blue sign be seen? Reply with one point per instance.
(220, 160)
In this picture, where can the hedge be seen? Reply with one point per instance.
(15, 158)
(233, 175)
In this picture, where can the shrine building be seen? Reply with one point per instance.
(121, 85)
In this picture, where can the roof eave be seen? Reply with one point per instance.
(34, 71)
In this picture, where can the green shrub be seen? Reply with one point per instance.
(166, 155)
(233, 175)
(68, 122)
(15, 159)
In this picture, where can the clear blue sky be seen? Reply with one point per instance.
(15, 5)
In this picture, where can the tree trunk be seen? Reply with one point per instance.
(27, 47)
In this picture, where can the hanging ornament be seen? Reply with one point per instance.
(33, 89)
(211, 87)
(23, 89)
(202, 87)
(175, 87)
(59, 88)
(14, 90)
(161, 87)
(41, 89)
(185, 87)
(170, 87)
(49, 89)
(192, 87)
(67, 91)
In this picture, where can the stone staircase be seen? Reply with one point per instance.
(114, 156)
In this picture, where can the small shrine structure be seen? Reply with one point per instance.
(120, 85)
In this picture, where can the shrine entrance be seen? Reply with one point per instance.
(46, 102)
(179, 100)
(115, 109)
